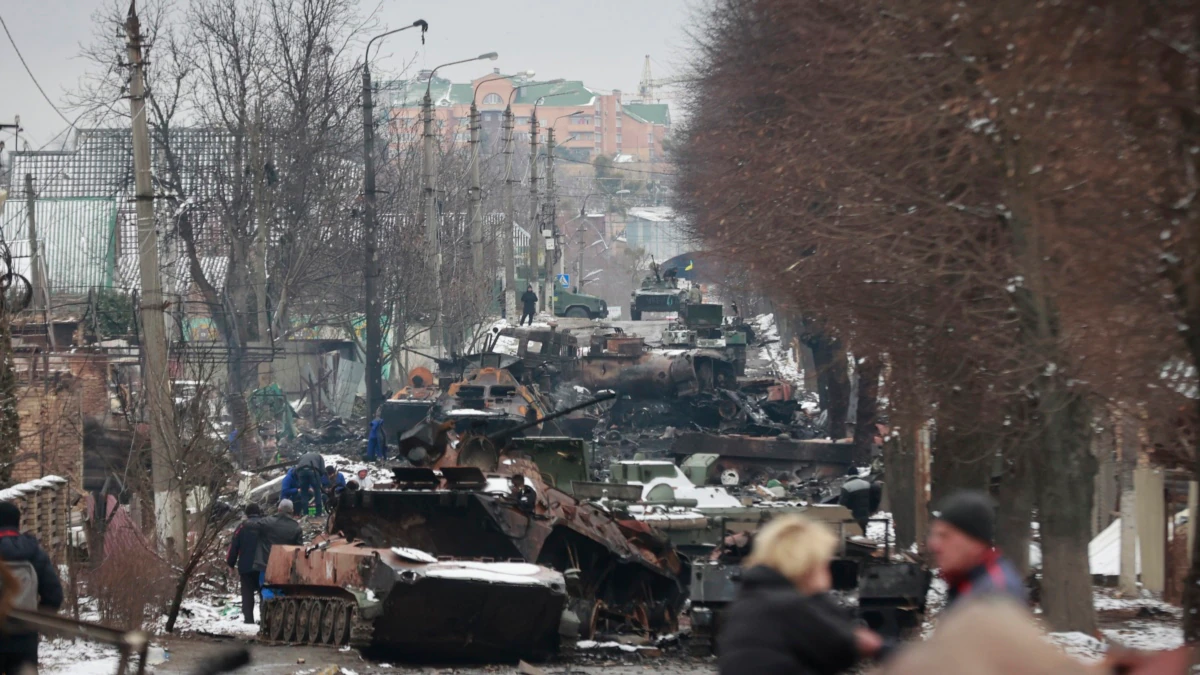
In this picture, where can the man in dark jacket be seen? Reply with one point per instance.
(856, 496)
(962, 541)
(774, 630)
(528, 305)
(19, 648)
(242, 552)
(280, 528)
(309, 470)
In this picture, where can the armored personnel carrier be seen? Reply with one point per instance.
(661, 292)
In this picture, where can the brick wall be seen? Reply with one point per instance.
(52, 413)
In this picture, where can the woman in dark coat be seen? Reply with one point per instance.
(783, 621)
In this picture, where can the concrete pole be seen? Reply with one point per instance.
(476, 204)
(535, 229)
(168, 506)
(430, 216)
(373, 349)
(508, 234)
(551, 209)
(260, 249)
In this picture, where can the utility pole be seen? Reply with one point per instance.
(509, 232)
(168, 506)
(373, 350)
(260, 248)
(535, 232)
(476, 200)
(430, 216)
(551, 211)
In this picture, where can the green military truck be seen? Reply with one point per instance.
(578, 305)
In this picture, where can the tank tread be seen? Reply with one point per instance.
(313, 620)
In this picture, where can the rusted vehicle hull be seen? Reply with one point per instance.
(655, 375)
(625, 574)
(410, 604)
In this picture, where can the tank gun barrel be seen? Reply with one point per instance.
(500, 435)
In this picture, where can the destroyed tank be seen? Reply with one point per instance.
(660, 293)
(626, 575)
(340, 592)
(715, 530)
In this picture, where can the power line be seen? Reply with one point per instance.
(31, 76)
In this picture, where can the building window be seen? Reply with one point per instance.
(650, 138)
(492, 99)
(618, 139)
(580, 119)
(618, 121)
(522, 121)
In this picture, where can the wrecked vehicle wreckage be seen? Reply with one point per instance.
(492, 571)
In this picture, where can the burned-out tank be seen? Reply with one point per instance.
(342, 592)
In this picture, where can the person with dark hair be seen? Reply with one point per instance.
(528, 305)
(30, 564)
(522, 494)
(242, 551)
(962, 541)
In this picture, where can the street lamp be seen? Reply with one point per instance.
(373, 350)
(430, 203)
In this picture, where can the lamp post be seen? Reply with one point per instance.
(534, 224)
(373, 349)
(429, 204)
(551, 214)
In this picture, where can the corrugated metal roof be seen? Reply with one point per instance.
(78, 237)
(654, 113)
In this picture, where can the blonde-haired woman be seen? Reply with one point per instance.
(783, 620)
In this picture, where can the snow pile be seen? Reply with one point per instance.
(592, 644)
(216, 615)
(1079, 645)
(883, 530)
(80, 657)
(783, 361)
(350, 467)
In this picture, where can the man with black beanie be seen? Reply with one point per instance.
(242, 551)
(962, 541)
(22, 553)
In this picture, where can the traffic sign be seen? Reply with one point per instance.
(564, 280)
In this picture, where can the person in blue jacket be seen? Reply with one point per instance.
(377, 439)
(290, 488)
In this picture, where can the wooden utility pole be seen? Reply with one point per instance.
(168, 507)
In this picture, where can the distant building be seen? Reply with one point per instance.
(656, 231)
(586, 123)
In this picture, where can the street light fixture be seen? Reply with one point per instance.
(373, 348)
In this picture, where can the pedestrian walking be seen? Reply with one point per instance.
(377, 439)
(242, 552)
(962, 542)
(279, 529)
(784, 621)
(31, 566)
(528, 305)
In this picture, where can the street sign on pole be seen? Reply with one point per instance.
(564, 280)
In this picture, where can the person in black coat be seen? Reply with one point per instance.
(280, 528)
(310, 469)
(528, 305)
(783, 621)
(242, 552)
(19, 647)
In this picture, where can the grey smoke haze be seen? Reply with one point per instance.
(602, 42)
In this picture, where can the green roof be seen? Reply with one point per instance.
(654, 113)
(582, 95)
(78, 236)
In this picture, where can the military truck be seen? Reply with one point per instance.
(577, 305)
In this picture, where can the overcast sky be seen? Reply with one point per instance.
(602, 42)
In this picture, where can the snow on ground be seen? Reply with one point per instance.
(216, 615)
(782, 360)
(67, 657)
(350, 467)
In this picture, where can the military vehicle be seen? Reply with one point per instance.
(702, 325)
(340, 592)
(661, 293)
(578, 305)
(714, 531)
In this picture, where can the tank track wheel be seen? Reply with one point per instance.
(276, 622)
(329, 610)
(289, 620)
(341, 623)
(302, 620)
(313, 619)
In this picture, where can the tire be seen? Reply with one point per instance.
(577, 312)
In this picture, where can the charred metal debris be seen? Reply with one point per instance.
(560, 493)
